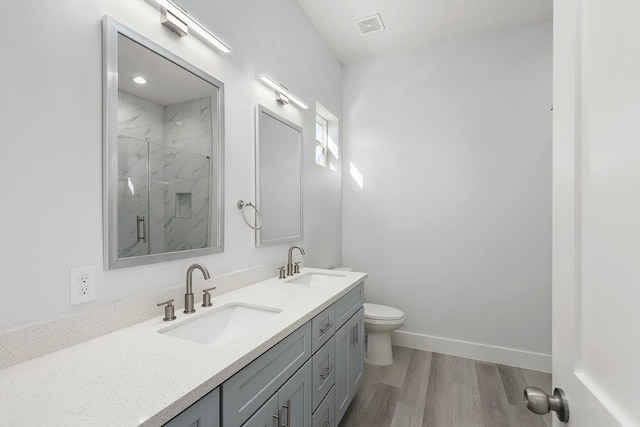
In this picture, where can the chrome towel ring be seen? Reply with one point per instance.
(242, 205)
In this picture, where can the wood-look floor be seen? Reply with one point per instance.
(427, 389)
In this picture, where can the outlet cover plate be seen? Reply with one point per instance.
(82, 284)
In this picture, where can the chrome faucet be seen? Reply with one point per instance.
(290, 259)
(188, 296)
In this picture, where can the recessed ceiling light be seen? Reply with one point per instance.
(139, 79)
(370, 24)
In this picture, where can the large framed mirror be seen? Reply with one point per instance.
(163, 153)
(279, 178)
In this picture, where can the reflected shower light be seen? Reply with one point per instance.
(130, 185)
(139, 80)
(282, 90)
(356, 175)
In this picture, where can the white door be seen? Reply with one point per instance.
(596, 210)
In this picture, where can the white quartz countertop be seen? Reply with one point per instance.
(137, 376)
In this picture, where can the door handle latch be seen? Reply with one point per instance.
(541, 403)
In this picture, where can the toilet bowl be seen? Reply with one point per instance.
(379, 322)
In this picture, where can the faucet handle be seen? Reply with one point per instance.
(169, 313)
(296, 267)
(206, 297)
(282, 274)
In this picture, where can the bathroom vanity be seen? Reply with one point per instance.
(299, 366)
(307, 379)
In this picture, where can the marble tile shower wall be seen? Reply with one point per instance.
(155, 144)
(187, 126)
(188, 131)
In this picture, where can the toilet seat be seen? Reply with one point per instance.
(381, 313)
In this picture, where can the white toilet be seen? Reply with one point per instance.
(379, 322)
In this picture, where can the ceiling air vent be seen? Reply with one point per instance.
(369, 25)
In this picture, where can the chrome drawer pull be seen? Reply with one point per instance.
(279, 418)
(326, 328)
(326, 373)
(288, 408)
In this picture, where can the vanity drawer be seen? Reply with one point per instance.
(325, 414)
(323, 372)
(246, 391)
(348, 305)
(322, 328)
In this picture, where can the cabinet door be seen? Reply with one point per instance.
(344, 338)
(294, 398)
(204, 413)
(349, 362)
(356, 354)
(266, 416)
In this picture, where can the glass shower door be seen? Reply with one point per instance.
(133, 197)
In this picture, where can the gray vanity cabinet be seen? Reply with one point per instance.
(349, 342)
(204, 413)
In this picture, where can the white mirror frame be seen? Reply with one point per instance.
(270, 208)
(111, 29)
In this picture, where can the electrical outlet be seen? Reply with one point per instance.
(82, 284)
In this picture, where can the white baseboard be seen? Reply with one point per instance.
(471, 350)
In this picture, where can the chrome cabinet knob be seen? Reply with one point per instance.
(541, 403)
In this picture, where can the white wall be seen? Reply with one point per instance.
(453, 224)
(51, 151)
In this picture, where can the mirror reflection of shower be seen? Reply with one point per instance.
(163, 153)
(164, 163)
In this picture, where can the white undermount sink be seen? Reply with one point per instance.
(317, 280)
(221, 325)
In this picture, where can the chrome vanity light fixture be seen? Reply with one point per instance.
(179, 21)
(283, 95)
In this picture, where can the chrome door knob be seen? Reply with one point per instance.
(541, 403)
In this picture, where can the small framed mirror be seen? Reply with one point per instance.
(163, 153)
(279, 178)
